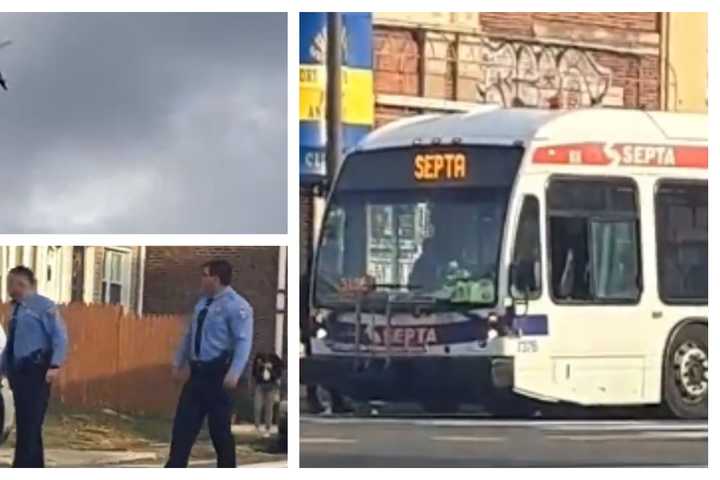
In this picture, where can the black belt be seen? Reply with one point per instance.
(38, 362)
(216, 366)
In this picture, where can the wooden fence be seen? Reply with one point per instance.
(116, 360)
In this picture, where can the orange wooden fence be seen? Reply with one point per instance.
(115, 360)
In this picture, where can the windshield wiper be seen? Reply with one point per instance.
(397, 286)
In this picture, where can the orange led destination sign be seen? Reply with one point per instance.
(438, 167)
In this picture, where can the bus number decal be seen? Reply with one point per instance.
(527, 346)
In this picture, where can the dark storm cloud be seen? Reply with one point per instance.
(143, 123)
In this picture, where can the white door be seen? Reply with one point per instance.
(590, 294)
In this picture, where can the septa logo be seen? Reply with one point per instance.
(404, 336)
(642, 155)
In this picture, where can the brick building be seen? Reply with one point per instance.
(172, 278)
(447, 62)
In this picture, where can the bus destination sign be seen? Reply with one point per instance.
(438, 167)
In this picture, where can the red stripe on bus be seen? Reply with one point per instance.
(691, 157)
(573, 154)
(683, 156)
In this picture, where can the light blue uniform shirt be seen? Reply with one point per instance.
(39, 326)
(228, 327)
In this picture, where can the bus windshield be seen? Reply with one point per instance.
(437, 240)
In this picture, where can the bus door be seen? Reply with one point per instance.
(591, 295)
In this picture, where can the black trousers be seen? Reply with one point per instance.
(31, 393)
(203, 396)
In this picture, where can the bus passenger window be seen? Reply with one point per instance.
(569, 257)
(614, 265)
(593, 241)
(527, 242)
(681, 214)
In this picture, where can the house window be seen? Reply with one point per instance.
(116, 277)
(50, 279)
(77, 285)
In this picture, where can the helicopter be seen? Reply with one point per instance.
(3, 82)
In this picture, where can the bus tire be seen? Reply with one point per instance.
(685, 378)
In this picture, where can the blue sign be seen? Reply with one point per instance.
(357, 86)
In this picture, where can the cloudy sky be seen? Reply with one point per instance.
(143, 123)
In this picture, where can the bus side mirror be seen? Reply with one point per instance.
(522, 279)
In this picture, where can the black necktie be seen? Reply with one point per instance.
(11, 338)
(198, 331)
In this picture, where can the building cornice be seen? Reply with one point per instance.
(550, 33)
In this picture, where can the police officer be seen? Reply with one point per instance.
(36, 348)
(217, 345)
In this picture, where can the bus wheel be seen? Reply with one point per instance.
(685, 386)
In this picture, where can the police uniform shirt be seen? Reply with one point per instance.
(227, 327)
(38, 327)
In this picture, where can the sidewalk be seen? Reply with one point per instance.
(57, 457)
(66, 458)
(211, 464)
(246, 432)
(109, 439)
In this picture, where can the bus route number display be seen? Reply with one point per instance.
(439, 167)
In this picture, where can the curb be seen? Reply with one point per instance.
(280, 464)
(115, 460)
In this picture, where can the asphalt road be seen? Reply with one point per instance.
(401, 442)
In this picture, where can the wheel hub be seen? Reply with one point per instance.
(690, 363)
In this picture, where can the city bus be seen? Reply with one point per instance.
(502, 254)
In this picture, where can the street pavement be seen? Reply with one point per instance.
(477, 442)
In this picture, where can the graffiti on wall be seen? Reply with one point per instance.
(521, 74)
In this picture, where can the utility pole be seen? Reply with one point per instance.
(333, 154)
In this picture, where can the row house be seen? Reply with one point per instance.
(80, 274)
(157, 279)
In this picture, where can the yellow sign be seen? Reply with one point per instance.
(357, 90)
(434, 167)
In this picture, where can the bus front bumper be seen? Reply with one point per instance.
(412, 378)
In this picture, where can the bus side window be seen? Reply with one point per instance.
(594, 241)
(527, 244)
(614, 268)
(569, 258)
(681, 214)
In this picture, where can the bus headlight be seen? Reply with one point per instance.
(321, 333)
(320, 316)
(493, 326)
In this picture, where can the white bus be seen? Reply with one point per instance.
(559, 256)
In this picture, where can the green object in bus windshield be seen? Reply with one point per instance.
(478, 291)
